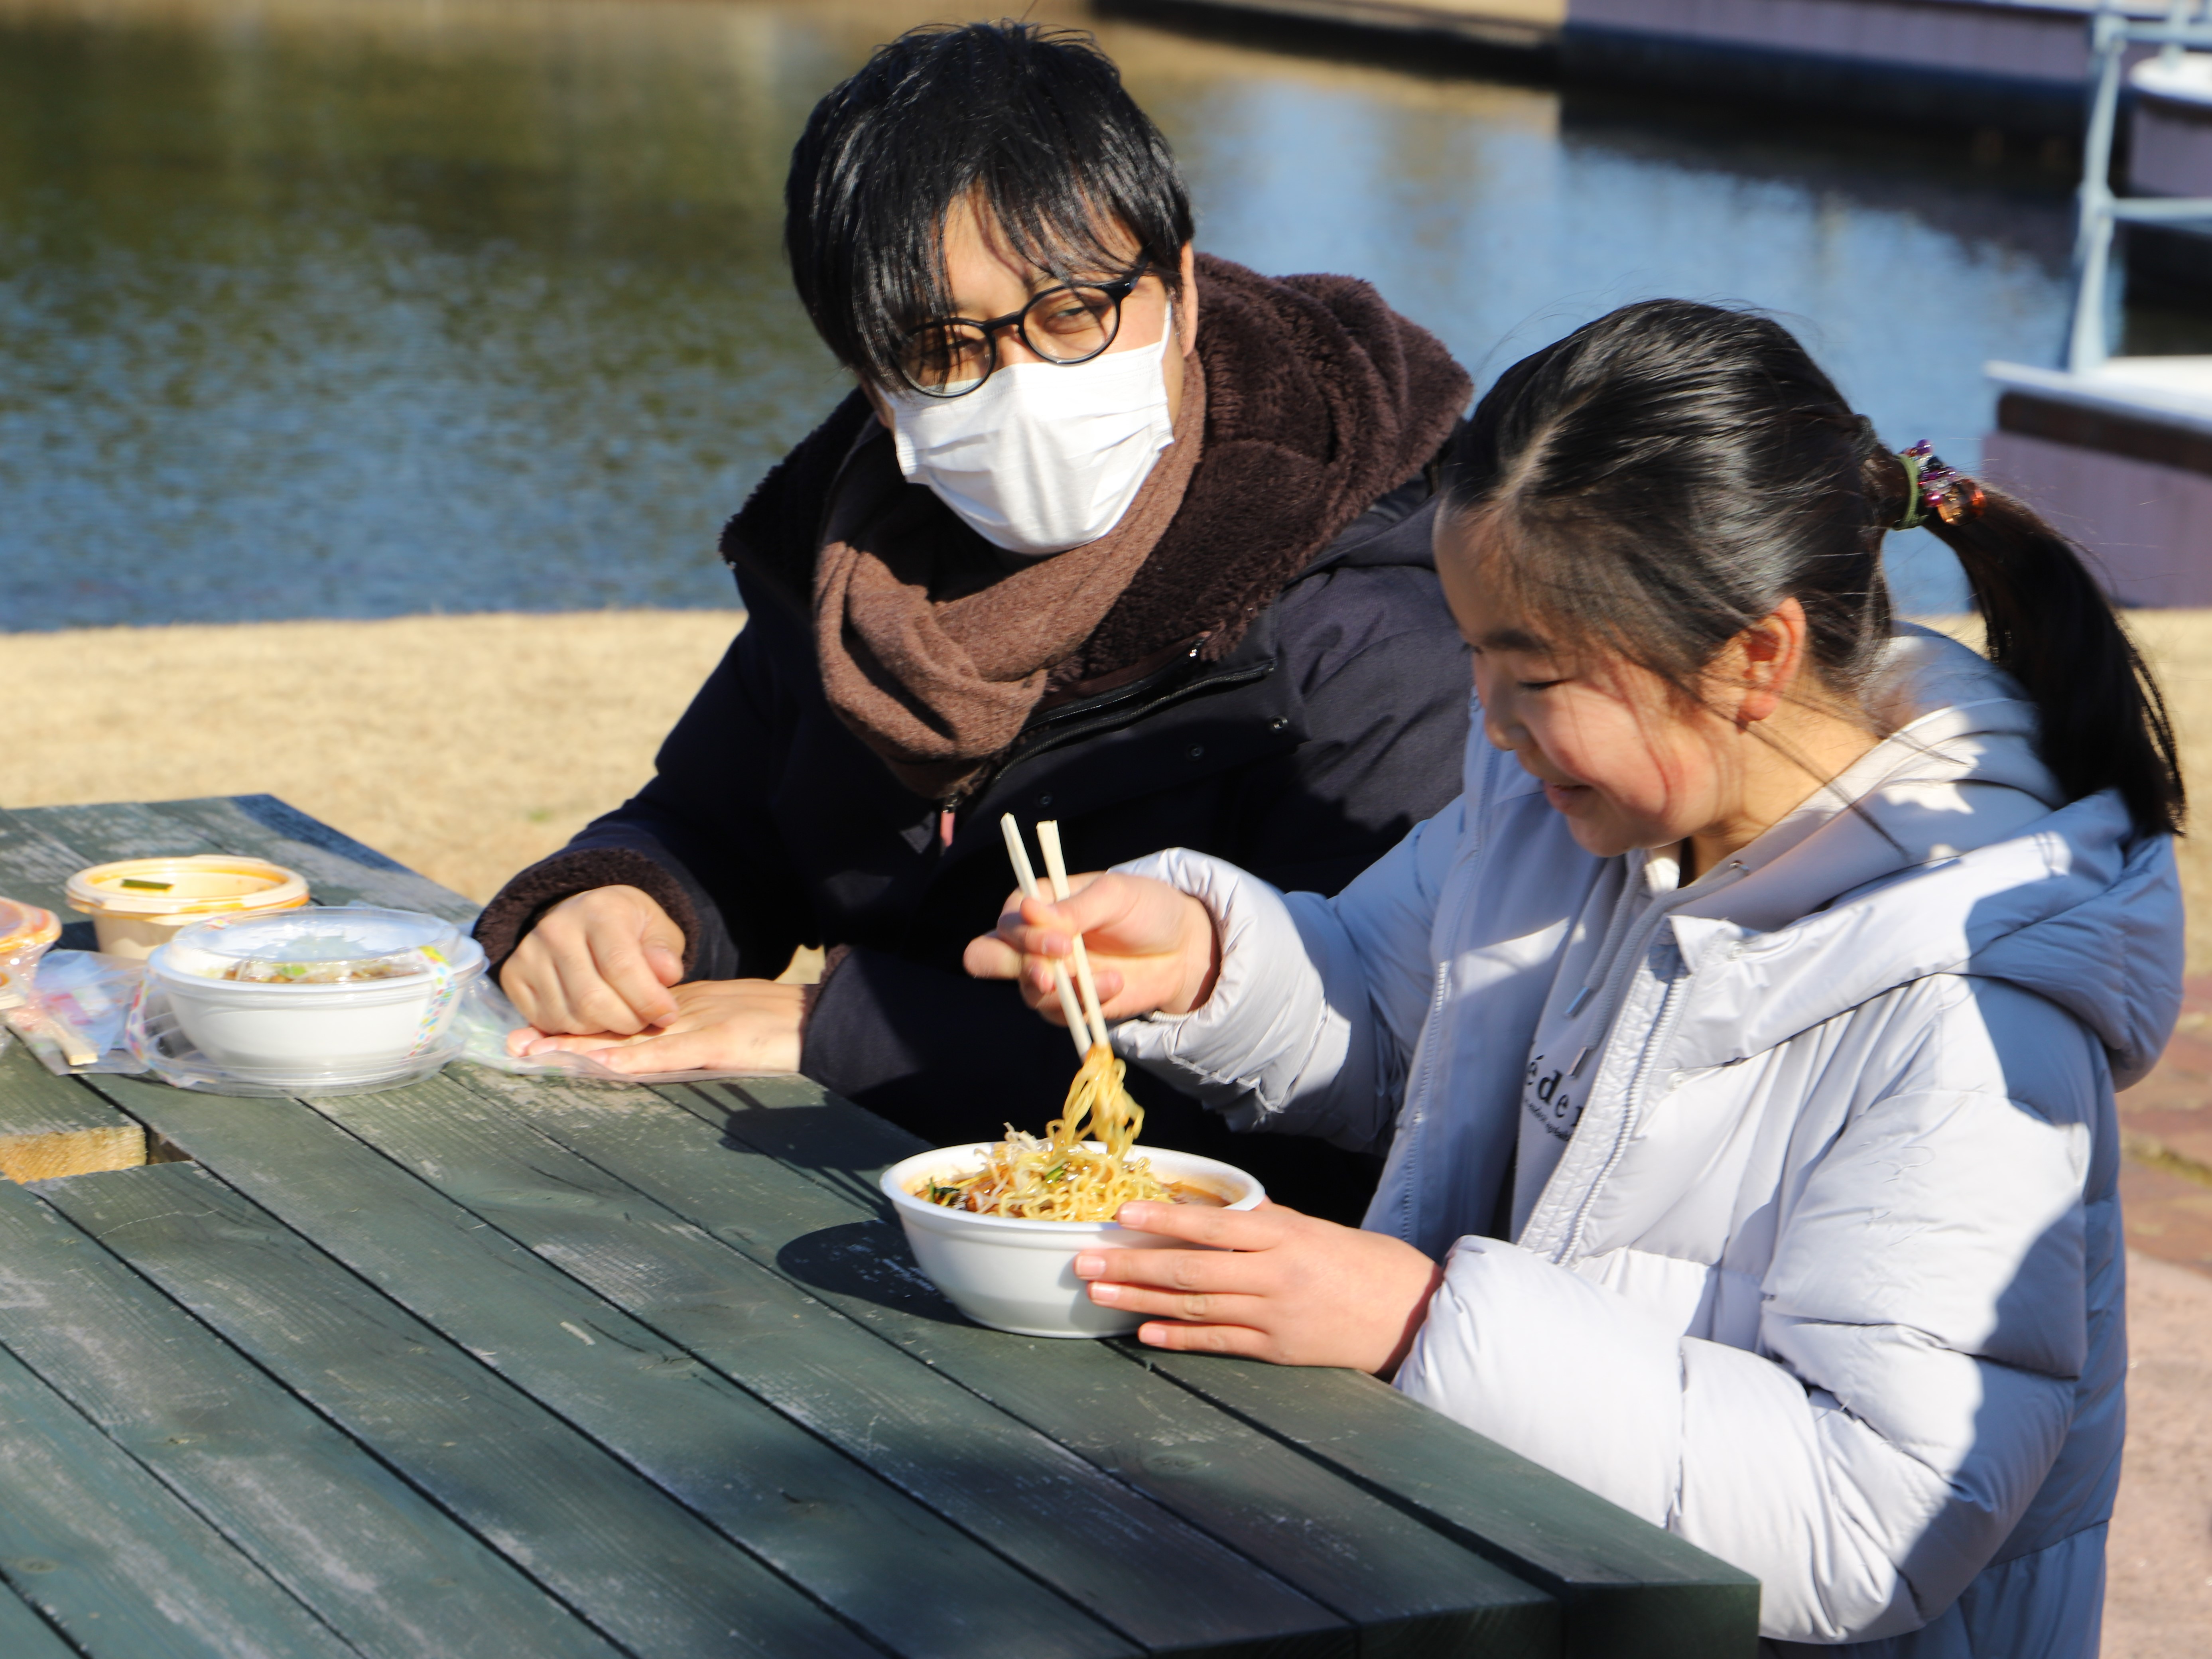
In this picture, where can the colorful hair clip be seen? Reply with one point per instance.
(1930, 487)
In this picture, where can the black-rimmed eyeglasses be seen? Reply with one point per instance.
(1072, 324)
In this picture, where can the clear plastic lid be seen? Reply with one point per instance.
(208, 883)
(337, 945)
(26, 927)
(26, 931)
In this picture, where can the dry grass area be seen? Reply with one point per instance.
(466, 747)
(2180, 646)
(470, 746)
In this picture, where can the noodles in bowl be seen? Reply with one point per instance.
(996, 1225)
(1082, 1169)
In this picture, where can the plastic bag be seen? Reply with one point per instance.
(338, 999)
(27, 932)
(477, 1033)
(78, 1017)
(157, 1042)
(486, 1018)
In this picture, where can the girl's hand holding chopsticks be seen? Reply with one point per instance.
(1151, 947)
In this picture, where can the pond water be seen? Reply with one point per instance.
(362, 308)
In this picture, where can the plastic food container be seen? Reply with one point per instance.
(138, 904)
(317, 998)
(27, 933)
(1020, 1276)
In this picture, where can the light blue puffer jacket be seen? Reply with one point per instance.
(1828, 1279)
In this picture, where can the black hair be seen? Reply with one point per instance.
(1031, 122)
(1662, 479)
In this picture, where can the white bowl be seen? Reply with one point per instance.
(1020, 1276)
(277, 1032)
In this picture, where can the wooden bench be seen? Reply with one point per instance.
(493, 1366)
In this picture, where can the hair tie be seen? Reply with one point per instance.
(1930, 487)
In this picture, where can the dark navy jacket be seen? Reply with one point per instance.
(1336, 723)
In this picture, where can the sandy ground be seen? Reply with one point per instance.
(2159, 1594)
(469, 746)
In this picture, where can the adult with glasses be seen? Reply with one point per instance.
(1109, 532)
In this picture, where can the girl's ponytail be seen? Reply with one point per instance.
(2050, 627)
(1673, 471)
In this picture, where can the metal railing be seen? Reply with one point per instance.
(2088, 341)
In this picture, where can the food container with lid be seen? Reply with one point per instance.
(27, 932)
(323, 998)
(1018, 1275)
(138, 904)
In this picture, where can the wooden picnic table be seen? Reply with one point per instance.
(502, 1367)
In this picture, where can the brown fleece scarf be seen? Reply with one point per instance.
(936, 684)
(1308, 399)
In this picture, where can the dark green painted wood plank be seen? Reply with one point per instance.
(1132, 1565)
(35, 1101)
(639, 1567)
(1630, 1590)
(382, 1565)
(34, 865)
(24, 1635)
(1368, 1563)
(849, 1172)
(1623, 1580)
(1410, 1590)
(106, 830)
(41, 846)
(49, 843)
(114, 1560)
(339, 868)
(261, 829)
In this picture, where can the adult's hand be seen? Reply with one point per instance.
(1273, 1285)
(1151, 946)
(718, 1025)
(602, 961)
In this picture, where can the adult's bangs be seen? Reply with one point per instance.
(1031, 126)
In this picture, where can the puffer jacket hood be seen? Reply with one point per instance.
(1955, 855)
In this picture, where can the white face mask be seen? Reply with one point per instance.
(1041, 456)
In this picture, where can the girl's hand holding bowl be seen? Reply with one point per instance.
(1267, 1283)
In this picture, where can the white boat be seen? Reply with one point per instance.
(2117, 450)
(2170, 151)
(2005, 66)
(2119, 457)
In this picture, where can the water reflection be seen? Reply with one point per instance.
(367, 307)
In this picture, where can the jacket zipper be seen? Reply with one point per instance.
(1625, 916)
(1416, 1093)
(1621, 966)
(1416, 1099)
(1085, 722)
(1663, 1028)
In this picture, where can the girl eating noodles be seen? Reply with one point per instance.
(1742, 1040)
